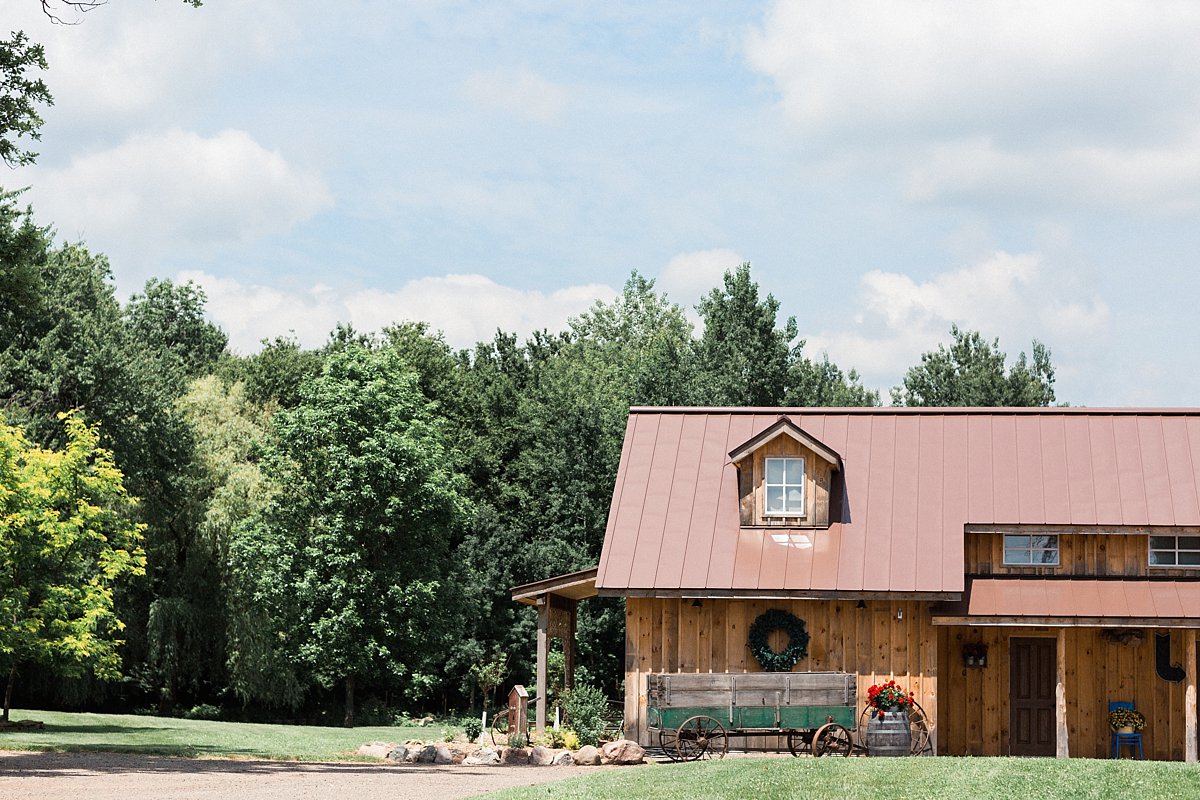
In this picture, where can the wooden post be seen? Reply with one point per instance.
(543, 652)
(569, 649)
(1191, 745)
(1062, 750)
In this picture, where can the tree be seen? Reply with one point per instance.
(170, 320)
(20, 95)
(66, 537)
(822, 383)
(352, 548)
(971, 372)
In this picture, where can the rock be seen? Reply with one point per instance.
(563, 759)
(484, 757)
(515, 755)
(396, 756)
(541, 756)
(622, 751)
(376, 749)
(428, 754)
(442, 755)
(423, 721)
(587, 756)
(412, 753)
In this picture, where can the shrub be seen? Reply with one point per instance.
(585, 706)
(570, 739)
(472, 727)
(203, 711)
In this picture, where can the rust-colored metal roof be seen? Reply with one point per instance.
(574, 586)
(912, 479)
(1025, 601)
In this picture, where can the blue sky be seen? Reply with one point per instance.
(1028, 169)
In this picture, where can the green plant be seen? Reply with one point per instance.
(203, 711)
(887, 696)
(472, 726)
(797, 646)
(1126, 718)
(585, 706)
(570, 739)
(518, 740)
(490, 674)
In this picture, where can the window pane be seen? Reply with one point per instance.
(1162, 542)
(775, 470)
(1162, 558)
(795, 471)
(1045, 556)
(774, 499)
(1189, 558)
(1011, 540)
(795, 501)
(1016, 556)
(1045, 542)
(1189, 542)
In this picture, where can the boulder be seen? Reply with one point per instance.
(412, 753)
(428, 754)
(563, 759)
(622, 751)
(484, 757)
(515, 755)
(541, 756)
(442, 755)
(376, 749)
(397, 754)
(587, 756)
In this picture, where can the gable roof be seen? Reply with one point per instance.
(785, 427)
(912, 479)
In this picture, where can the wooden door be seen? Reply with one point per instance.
(1031, 674)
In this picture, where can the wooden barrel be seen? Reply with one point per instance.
(889, 736)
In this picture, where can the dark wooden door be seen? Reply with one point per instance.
(1031, 674)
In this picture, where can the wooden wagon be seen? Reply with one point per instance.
(694, 714)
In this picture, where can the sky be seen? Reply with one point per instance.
(1027, 169)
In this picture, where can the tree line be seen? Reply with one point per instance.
(331, 533)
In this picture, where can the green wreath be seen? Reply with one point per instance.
(797, 648)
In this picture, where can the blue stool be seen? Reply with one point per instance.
(1120, 740)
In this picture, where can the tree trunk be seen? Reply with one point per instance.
(349, 721)
(12, 678)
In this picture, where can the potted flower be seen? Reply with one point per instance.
(888, 697)
(888, 728)
(1126, 720)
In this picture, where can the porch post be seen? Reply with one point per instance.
(569, 648)
(1189, 699)
(543, 650)
(1060, 697)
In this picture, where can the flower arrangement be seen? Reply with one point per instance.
(1126, 718)
(887, 696)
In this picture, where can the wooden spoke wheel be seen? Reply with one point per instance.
(800, 742)
(832, 739)
(499, 728)
(666, 740)
(701, 737)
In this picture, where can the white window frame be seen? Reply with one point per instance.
(785, 485)
(1175, 550)
(1032, 548)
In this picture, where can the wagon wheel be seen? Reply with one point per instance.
(499, 728)
(922, 730)
(832, 739)
(666, 740)
(701, 737)
(800, 742)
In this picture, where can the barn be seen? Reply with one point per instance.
(1016, 569)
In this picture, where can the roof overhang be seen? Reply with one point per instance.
(785, 427)
(1059, 602)
(777, 594)
(573, 586)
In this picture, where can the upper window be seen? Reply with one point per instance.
(1175, 551)
(1033, 550)
(785, 487)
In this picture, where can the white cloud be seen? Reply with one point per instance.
(178, 189)
(689, 276)
(1007, 296)
(1067, 102)
(519, 91)
(466, 308)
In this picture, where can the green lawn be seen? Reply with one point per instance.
(879, 779)
(125, 733)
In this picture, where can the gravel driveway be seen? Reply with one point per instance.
(109, 776)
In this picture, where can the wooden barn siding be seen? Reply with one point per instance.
(1095, 554)
(818, 478)
(672, 635)
(973, 718)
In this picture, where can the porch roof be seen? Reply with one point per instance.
(1173, 602)
(574, 586)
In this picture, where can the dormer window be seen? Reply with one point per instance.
(784, 487)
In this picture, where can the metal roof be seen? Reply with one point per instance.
(574, 585)
(1026, 601)
(913, 478)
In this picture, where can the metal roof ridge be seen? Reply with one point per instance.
(924, 410)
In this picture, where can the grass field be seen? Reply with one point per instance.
(880, 779)
(124, 733)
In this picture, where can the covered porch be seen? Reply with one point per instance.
(1057, 652)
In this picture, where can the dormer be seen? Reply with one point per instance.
(784, 478)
